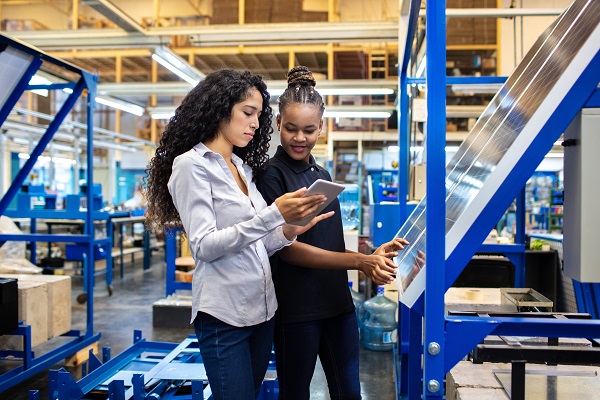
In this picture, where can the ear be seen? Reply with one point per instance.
(278, 119)
(320, 126)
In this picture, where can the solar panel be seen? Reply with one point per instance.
(515, 131)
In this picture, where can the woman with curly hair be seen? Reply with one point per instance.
(201, 179)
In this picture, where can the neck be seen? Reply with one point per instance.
(221, 146)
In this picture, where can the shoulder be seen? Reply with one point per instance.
(187, 159)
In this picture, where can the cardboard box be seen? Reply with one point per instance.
(58, 303)
(33, 310)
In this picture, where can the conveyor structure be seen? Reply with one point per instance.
(146, 370)
(557, 78)
(18, 64)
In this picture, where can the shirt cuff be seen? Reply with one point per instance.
(271, 217)
(281, 239)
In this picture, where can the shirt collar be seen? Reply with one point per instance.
(202, 150)
(298, 166)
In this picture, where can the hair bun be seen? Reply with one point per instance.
(300, 76)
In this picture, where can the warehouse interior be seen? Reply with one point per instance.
(379, 71)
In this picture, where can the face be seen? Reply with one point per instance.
(300, 126)
(239, 130)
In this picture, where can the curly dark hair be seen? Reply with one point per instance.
(197, 120)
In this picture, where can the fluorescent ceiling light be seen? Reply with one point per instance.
(177, 65)
(56, 160)
(121, 105)
(476, 88)
(334, 111)
(40, 80)
(357, 114)
(343, 91)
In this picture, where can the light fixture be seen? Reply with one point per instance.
(343, 91)
(357, 114)
(177, 65)
(350, 87)
(334, 111)
(121, 105)
(476, 88)
(40, 80)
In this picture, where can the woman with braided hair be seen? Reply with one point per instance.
(201, 179)
(316, 315)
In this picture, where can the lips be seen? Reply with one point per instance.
(298, 149)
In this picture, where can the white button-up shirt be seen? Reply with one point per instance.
(231, 237)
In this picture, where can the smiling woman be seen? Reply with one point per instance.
(201, 179)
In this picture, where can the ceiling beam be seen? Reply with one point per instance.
(181, 88)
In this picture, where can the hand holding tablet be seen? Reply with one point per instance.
(329, 189)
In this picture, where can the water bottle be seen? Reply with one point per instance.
(358, 300)
(379, 326)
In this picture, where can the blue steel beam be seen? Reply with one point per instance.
(434, 340)
(42, 143)
(464, 333)
(18, 90)
(42, 363)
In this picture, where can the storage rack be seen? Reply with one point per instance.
(446, 340)
(23, 61)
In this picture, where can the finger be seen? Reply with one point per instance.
(390, 254)
(298, 193)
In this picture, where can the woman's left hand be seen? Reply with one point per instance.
(291, 231)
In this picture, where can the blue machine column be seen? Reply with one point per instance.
(434, 326)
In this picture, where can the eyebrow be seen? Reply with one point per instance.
(295, 126)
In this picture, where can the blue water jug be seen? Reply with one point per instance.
(379, 327)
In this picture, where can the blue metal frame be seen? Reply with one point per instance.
(33, 365)
(143, 362)
(448, 339)
(170, 256)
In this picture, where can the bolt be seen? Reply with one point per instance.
(433, 386)
(433, 348)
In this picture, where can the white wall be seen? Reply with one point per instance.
(532, 28)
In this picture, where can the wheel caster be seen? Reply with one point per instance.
(82, 298)
(110, 290)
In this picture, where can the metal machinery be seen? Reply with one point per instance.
(146, 370)
(19, 63)
(555, 80)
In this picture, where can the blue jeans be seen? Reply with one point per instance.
(334, 340)
(236, 359)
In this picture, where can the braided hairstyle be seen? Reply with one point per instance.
(197, 120)
(301, 89)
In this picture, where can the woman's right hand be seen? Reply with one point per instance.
(294, 207)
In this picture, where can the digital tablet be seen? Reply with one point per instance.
(327, 188)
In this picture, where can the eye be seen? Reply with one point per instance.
(247, 113)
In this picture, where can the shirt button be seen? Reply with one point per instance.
(312, 168)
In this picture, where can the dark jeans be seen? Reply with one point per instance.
(236, 359)
(334, 340)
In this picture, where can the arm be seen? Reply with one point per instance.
(378, 268)
(191, 191)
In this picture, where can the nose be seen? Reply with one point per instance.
(299, 136)
(254, 124)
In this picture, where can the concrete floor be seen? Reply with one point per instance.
(130, 308)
